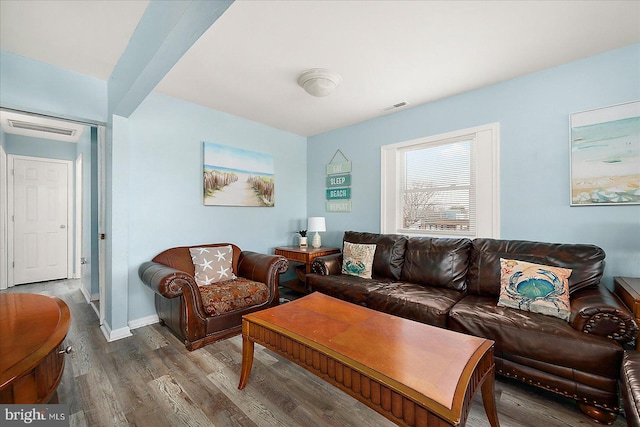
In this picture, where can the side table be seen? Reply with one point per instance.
(628, 289)
(305, 256)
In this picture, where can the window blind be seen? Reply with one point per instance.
(438, 188)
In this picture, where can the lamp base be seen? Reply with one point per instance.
(316, 242)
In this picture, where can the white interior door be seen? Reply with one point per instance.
(40, 219)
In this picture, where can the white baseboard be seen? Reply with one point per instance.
(126, 331)
(95, 309)
(143, 321)
(115, 335)
(86, 294)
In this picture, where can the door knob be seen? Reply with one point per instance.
(63, 226)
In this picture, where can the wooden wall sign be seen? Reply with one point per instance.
(340, 180)
(338, 193)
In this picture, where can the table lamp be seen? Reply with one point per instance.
(316, 223)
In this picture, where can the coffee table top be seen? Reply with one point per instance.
(422, 361)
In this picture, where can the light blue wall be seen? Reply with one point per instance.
(533, 112)
(37, 147)
(165, 206)
(117, 224)
(37, 87)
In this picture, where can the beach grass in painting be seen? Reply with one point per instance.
(605, 157)
(237, 177)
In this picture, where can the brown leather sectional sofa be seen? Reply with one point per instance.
(454, 283)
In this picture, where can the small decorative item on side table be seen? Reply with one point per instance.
(628, 289)
(302, 238)
(305, 256)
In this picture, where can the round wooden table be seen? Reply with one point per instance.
(32, 328)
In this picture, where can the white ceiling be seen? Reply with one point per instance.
(387, 52)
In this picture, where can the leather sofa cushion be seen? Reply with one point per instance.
(424, 304)
(416, 302)
(389, 256)
(352, 289)
(535, 336)
(586, 261)
(440, 262)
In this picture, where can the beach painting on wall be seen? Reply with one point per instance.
(605, 156)
(237, 177)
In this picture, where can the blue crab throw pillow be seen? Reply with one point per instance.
(535, 288)
(358, 259)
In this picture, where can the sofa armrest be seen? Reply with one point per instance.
(261, 267)
(595, 310)
(327, 265)
(163, 280)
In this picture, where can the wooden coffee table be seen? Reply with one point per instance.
(32, 328)
(412, 373)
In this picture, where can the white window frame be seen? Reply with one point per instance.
(487, 181)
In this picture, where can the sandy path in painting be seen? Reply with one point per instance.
(239, 193)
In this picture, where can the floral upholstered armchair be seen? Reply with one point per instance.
(202, 292)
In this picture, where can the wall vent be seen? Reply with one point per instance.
(41, 128)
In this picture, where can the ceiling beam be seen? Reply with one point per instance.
(164, 34)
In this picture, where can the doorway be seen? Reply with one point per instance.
(40, 228)
(85, 258)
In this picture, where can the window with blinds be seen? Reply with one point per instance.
(438, 188)
(443, 185)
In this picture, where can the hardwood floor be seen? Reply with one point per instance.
(150, 379)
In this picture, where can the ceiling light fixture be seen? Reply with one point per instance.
(319, 81)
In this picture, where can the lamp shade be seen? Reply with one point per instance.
(316, 223)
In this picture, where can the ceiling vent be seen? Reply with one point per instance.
(396, 106)
(40, 127)
(17, 124)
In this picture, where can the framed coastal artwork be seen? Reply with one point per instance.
(605, 156)
(236, 177)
